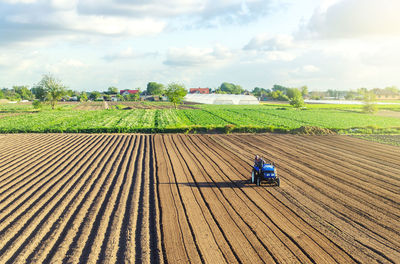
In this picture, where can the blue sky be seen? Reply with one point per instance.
(93, 44)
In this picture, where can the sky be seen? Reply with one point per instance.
(94, 44)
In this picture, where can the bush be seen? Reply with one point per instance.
(297, 102)
(369, 103)
(369, 108)
(37, 104)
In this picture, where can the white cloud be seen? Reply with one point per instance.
(27, 19)
(20, 1)
(264, 42)
(128, 54)
(279, 56)
(305, 70)
(64, 4)
(190, 56)
(354, 18)
(310, 68)
(73, 63)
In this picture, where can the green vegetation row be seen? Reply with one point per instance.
(207, 118)
(384, 139)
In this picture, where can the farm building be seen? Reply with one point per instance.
(199, 90)
(221, 99)
(126, 92)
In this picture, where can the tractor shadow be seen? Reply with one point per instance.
(231, 184)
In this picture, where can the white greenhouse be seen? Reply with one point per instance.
(221, 99)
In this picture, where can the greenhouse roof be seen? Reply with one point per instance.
(236, 99)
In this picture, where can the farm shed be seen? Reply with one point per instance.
(221, 99)
(199, 90)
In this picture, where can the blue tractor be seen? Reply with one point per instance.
(267, 174)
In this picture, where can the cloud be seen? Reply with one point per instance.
(276, 43)
(26, 21)
(305, 70)
(191, 56)
(29, 19)
(73, 63)
(128, 54)
(207, 9)
(354, 18)
(279, 56)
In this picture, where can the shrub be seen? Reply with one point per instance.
(369, 108)
(297, 102)
(37, 104)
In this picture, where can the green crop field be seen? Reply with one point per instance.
(21, 118)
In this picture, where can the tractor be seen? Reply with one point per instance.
(267, 174)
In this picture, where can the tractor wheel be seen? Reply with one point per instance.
(258, 181)
(278, 182)
(253, 176)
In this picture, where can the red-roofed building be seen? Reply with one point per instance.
(126, 92)
(199, 90)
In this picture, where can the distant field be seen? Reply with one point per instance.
(161, 117)
(384, 139)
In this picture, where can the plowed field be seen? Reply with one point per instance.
(186, 198)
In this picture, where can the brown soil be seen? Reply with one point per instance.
(3, 114)
(312, 130)
(187, 198)
(89, 106)
(388, 113)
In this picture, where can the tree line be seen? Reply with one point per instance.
(51, 90)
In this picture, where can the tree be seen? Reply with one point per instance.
(304, 91)
(94, 95)
(112, 90)
(39, 92)
(136, 96)
(279, 95)
(218, 91)
(281, 88)
(23, 92)
(231, 88)
(175, 93)
(69, 93)
(154, 88)
(107, 97)
(350, 95)
(83, 97)
(297, 101)
(369, 102)
(392, 90)
(37, 104)
(362, 91)
(53, 88)
(293, 92)
(259, 92)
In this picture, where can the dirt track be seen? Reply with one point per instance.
(180, 198)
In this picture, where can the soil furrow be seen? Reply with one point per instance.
(293, 171)
(174, 198)
(283, 220)
(30, 177)
(240, 245)
(12, 170)
(186, 242)
(39, 214)
(67, 239)
(53, 220)
(96, 237)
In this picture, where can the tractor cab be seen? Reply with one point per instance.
(267, 174)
